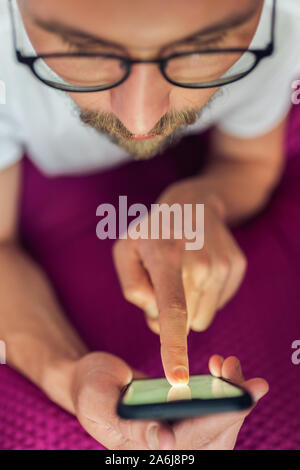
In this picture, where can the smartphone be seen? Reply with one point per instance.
(157, 399)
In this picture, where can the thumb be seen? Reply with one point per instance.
(100, 380)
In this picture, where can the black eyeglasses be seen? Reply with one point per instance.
(92, 72)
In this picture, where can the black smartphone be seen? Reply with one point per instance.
(157, 399)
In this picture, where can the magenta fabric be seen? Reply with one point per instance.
(58, 226)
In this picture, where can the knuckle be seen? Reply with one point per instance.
(240, 263)
(175, 309)
(174, 349)
(223, 266)
(201, 323)
(133, 294)
(201, 268)
(204, 263)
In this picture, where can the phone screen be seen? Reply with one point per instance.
(143, 391)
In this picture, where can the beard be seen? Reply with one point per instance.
(167, 131)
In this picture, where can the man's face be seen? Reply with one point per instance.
(143, 113)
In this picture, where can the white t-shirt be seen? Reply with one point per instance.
(44, 122)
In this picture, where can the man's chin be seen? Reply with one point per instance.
(147, 148)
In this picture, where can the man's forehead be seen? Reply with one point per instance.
(148, 23)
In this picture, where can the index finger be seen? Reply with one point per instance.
(171, 304)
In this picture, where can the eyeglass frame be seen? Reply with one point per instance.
(260, 54)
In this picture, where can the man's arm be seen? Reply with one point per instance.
(242, 173)
(40, 341)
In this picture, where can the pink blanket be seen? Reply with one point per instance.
(58, 222)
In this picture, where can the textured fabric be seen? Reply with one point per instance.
(58, 222)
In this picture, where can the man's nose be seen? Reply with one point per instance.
(142, 99)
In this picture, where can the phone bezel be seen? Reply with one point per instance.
(180, 409)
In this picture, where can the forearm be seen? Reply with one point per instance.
(242, 173)
(239, 188)
(40, 341)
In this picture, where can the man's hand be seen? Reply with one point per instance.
(96, 388)
(180, 289)
(98, 379)
(219, 431)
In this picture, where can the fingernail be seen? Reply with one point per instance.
(216, 373)
(152, 437)
(151, 311)
(181, 374)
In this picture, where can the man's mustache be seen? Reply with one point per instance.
(109, 123)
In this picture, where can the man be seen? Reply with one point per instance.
(139, 72)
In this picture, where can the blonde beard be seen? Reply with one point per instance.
(167, 131)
